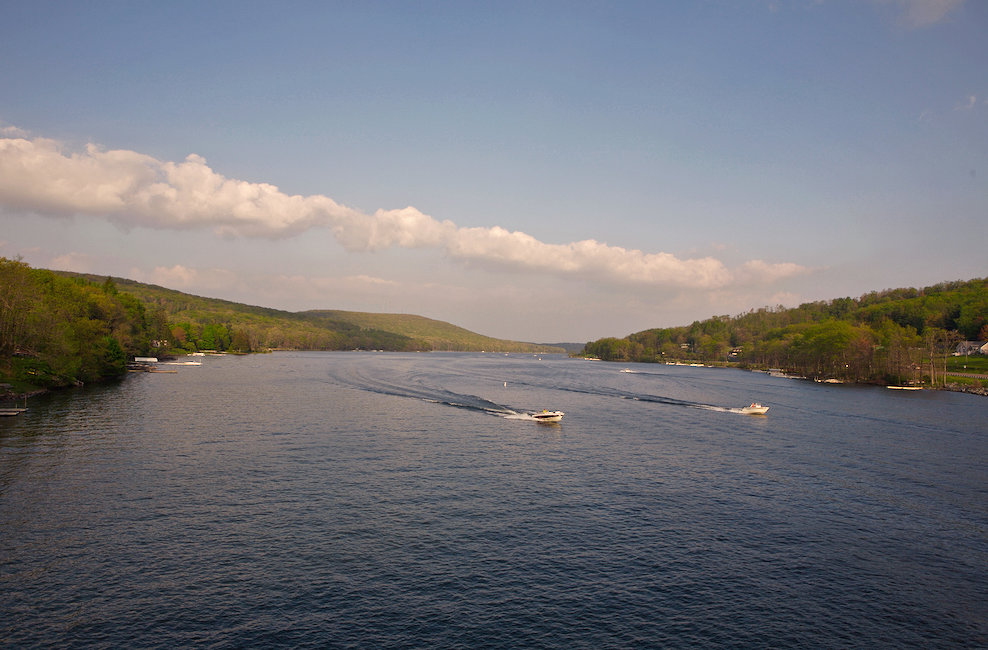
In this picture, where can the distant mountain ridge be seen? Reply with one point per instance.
(440, 335)
(62, 328)
(213, 322)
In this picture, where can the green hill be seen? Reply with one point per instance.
(195, 322)
(439, 335)
(59, 328)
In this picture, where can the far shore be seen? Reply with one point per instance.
(8, 394)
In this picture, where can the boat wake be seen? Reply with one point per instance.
(643, 372)
(436, 395)
(677, 402)
(430, 387)
(655, 399)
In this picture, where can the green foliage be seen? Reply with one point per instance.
(887, 336)
(191, 323)
(57, 330)
(61, 328)
(609, 349)
(415, 332)
(977, 364)
(28, 371)
(240, 341)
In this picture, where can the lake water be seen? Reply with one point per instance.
(406, 500)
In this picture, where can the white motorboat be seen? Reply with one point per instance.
(548, 416)
(754, 409)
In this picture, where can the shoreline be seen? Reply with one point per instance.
(952, 387)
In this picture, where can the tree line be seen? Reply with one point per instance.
(57, 331)
(891, 336)
(60, 329)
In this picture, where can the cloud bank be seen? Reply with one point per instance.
(38, 175)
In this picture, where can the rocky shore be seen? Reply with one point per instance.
(966, 388)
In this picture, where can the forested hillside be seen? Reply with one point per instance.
(435, 335)
(884, 336)
(59, 328)
(56, 331)
(208, 323)
(196, 323)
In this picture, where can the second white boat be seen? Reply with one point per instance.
(548, 416)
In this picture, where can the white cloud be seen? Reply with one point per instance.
(133, 189)
(12, 132)
(786, 299)
(923, 13)
(183, 278)
(370, 280)
(761, 272)
(76, 262)
(967, 105)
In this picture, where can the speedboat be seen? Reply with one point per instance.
(754, 409)
(548, 416)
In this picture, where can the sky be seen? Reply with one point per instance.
(538, 170)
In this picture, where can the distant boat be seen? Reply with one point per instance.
(548, 416)
(754, 409)
(905, 387)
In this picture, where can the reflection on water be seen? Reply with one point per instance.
(381, 500)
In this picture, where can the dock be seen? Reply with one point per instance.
(11, 411)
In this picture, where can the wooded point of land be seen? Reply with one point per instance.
(895, 336)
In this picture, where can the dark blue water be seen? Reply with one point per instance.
(406, 500)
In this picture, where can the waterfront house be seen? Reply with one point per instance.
(971, 347)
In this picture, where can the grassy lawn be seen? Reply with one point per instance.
(968, 383)
(977, 364)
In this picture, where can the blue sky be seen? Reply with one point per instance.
(542, 171)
